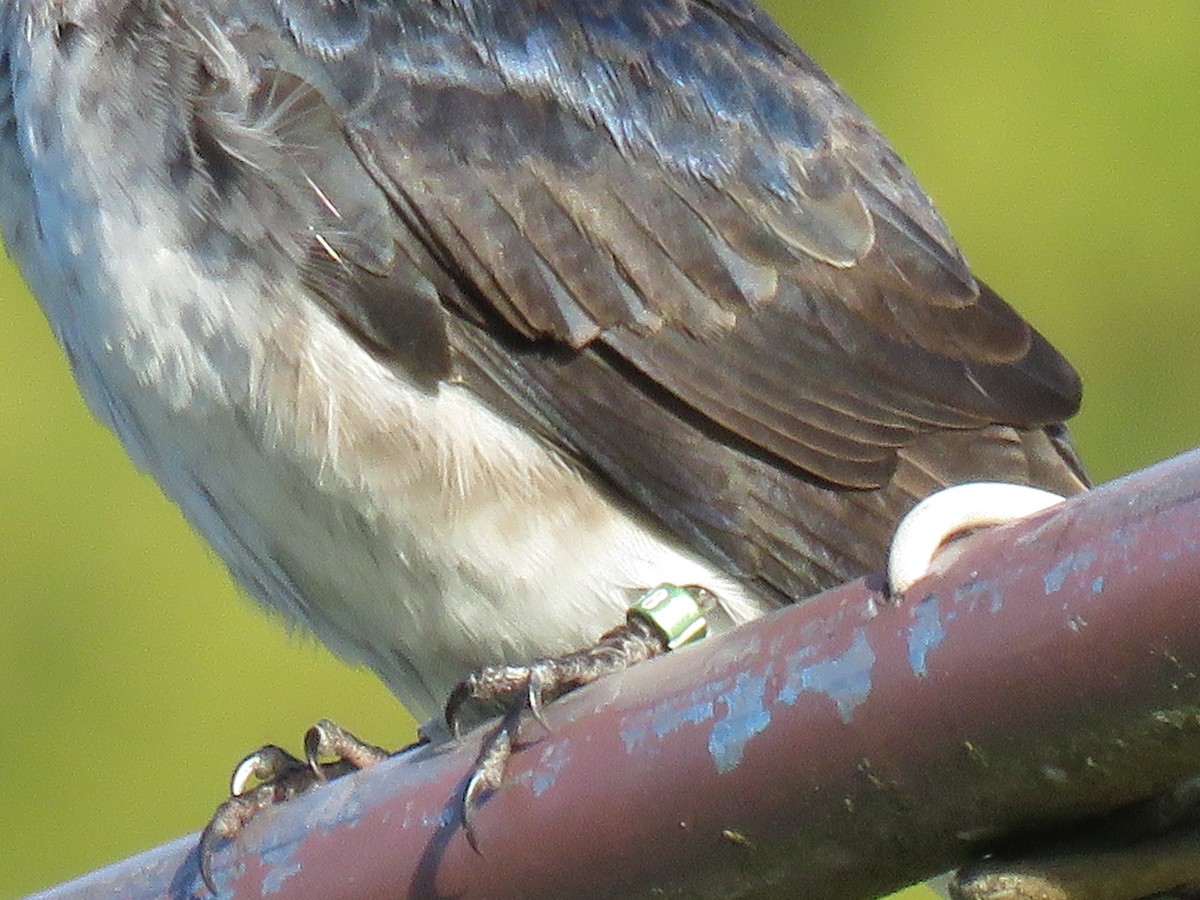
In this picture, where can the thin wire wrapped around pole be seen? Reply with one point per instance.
(839, 748)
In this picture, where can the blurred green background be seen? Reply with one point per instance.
(1060, 140)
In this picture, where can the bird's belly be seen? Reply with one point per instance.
(420, 532)
(417, 532)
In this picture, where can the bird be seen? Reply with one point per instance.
(455, 326)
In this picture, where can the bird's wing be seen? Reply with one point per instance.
(657, 203)
(674, 183)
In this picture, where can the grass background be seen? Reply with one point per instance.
(1059, 139)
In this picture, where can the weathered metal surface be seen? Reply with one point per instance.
(841, 747)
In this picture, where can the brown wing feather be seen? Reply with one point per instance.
(828, 320)
(638, 223)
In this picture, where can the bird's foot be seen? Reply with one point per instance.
(662, 619)
(270, 776)
(942, 515)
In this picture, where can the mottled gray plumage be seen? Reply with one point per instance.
(450, 324)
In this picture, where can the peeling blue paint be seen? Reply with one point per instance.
(745, 716)
(969, 595)
(1169, 555)
(282, 867)
(1123, 536)
(633, 736)
(845, 679)
(551, 761)
(338, 804)
(1098, 584)
(1053, 580)
(924, 635)
(664, 719)
(440, 817)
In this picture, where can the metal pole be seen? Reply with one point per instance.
(839, 748)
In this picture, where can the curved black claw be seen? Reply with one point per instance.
(280, 777)
(488, 772)
(524, 690)
(348, 752)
